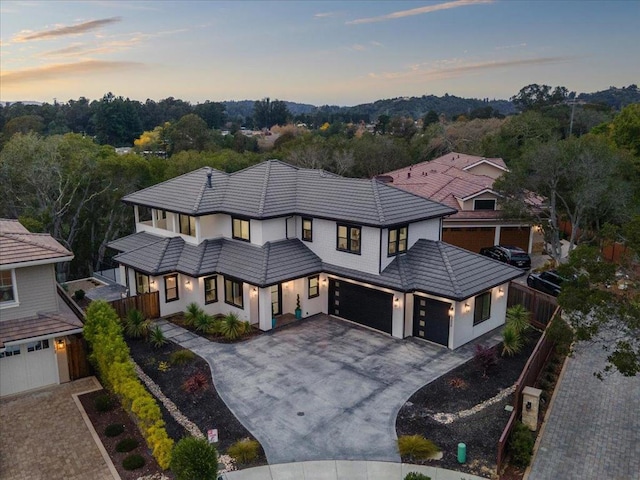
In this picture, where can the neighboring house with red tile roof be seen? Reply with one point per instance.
(465, 182)
(35, 322)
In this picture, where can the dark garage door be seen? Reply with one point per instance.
(362, 305)
(431, 320)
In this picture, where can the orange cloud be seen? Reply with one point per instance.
(51, 72)
(419, 11)
(63, 31)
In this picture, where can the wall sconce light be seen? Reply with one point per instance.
(59, 344)
(254, 291)
(152, 283)
(396, 301)
(500, 292)
(528, 406)
(324, 281)
(188, 282)
(467, 307)
(451, 310)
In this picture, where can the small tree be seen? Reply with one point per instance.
(194, 459)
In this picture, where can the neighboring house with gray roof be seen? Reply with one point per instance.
(252, 241)
(35, 323)
(465, 182)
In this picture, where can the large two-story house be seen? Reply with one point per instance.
(254, 241)
(36, 325)
(465, 182)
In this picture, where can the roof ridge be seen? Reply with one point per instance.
(447, 264)
(376, 197)
(265, 183)
(200, 196)
(265, 262)
(54, 248)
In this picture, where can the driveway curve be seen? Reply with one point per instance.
(324, 389)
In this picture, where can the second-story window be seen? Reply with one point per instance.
(307, 229)
(187, 225)
(7, 292)
(349, 238)
(241, 229)
(397, 240)
(484, 204)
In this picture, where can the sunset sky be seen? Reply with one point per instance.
(323, 52)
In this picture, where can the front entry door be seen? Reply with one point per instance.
(276, 300)
(431, 320)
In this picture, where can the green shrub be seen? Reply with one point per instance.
(126, 445)
(521, 445)
(114, 430)
(133, 462)
(511, 341)
(544, 385)
(203, 322)
(181, 357)
(135, 325)
(191, 313)
(194, 459)
(231, 327)
(561, 334)
(103, 403)
(518, 317)
(244, 451)
(416, 447)
(78, 294)
(157, 338)
(416, 476)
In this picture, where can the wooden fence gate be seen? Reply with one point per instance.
(147, 303)
(77, 360)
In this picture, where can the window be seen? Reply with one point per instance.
(7, 292)
(161, 218)
(397, 240)
(211, 289)
(187, 225)
(39, 345)
(233, 292)
(11, 351)
(484, 204)
(142, 283)
(314, 283)
(241, 229)
(307, 232)
(349, 238)
(171, 288)
(482, 310)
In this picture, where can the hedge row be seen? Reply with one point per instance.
(110, 357)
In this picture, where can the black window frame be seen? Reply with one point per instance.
(349, 239)
(166, 288)
(480, 302)
(240, 285)
(316, 288)
(190, 232)
(138, 291)
(233, 229)
(310, 229)
(475, 204)
(214, 279)
(396, 242)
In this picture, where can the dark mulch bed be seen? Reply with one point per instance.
(117, 415)
(205, 408)
(462, 389)
(178, 319)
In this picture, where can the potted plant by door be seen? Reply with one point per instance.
(298, 309)
(273, 318)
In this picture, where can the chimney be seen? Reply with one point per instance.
(408, 174)
(209, 174)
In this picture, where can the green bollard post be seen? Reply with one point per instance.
(462, 453)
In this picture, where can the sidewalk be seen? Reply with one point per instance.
(343, 470)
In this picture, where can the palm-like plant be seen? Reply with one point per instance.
(511, 341)
(136, 326)
(191, 313)
(157, 338)
(203, 322)
(231, 327)
(518, 318)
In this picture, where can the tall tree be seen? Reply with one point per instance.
(267, 113)
(116, 121)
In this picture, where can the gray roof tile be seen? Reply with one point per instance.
(274, 188)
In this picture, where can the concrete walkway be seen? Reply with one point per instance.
(44, 437)
(344, 470)
(323, 389)
(593, 427)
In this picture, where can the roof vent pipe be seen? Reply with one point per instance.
(209, 174)
(408, 174)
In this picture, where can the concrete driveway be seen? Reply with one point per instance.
(324, 389)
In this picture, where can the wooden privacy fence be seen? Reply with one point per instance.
(147, 303)
(528, 377)
(541, 305)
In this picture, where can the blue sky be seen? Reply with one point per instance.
(323, 52)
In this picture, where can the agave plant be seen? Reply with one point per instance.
(203, 322)
(191, 313)
(157, 338)
(518, 318)
(136, 326)
(511, 341)
(232, 328)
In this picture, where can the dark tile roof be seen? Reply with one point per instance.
(273, 188)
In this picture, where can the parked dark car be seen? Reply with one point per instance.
(512, 255)
(548, 282)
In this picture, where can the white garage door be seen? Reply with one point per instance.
(27, 366)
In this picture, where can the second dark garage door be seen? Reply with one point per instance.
(362, 305)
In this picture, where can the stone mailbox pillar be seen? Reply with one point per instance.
(530, 407)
